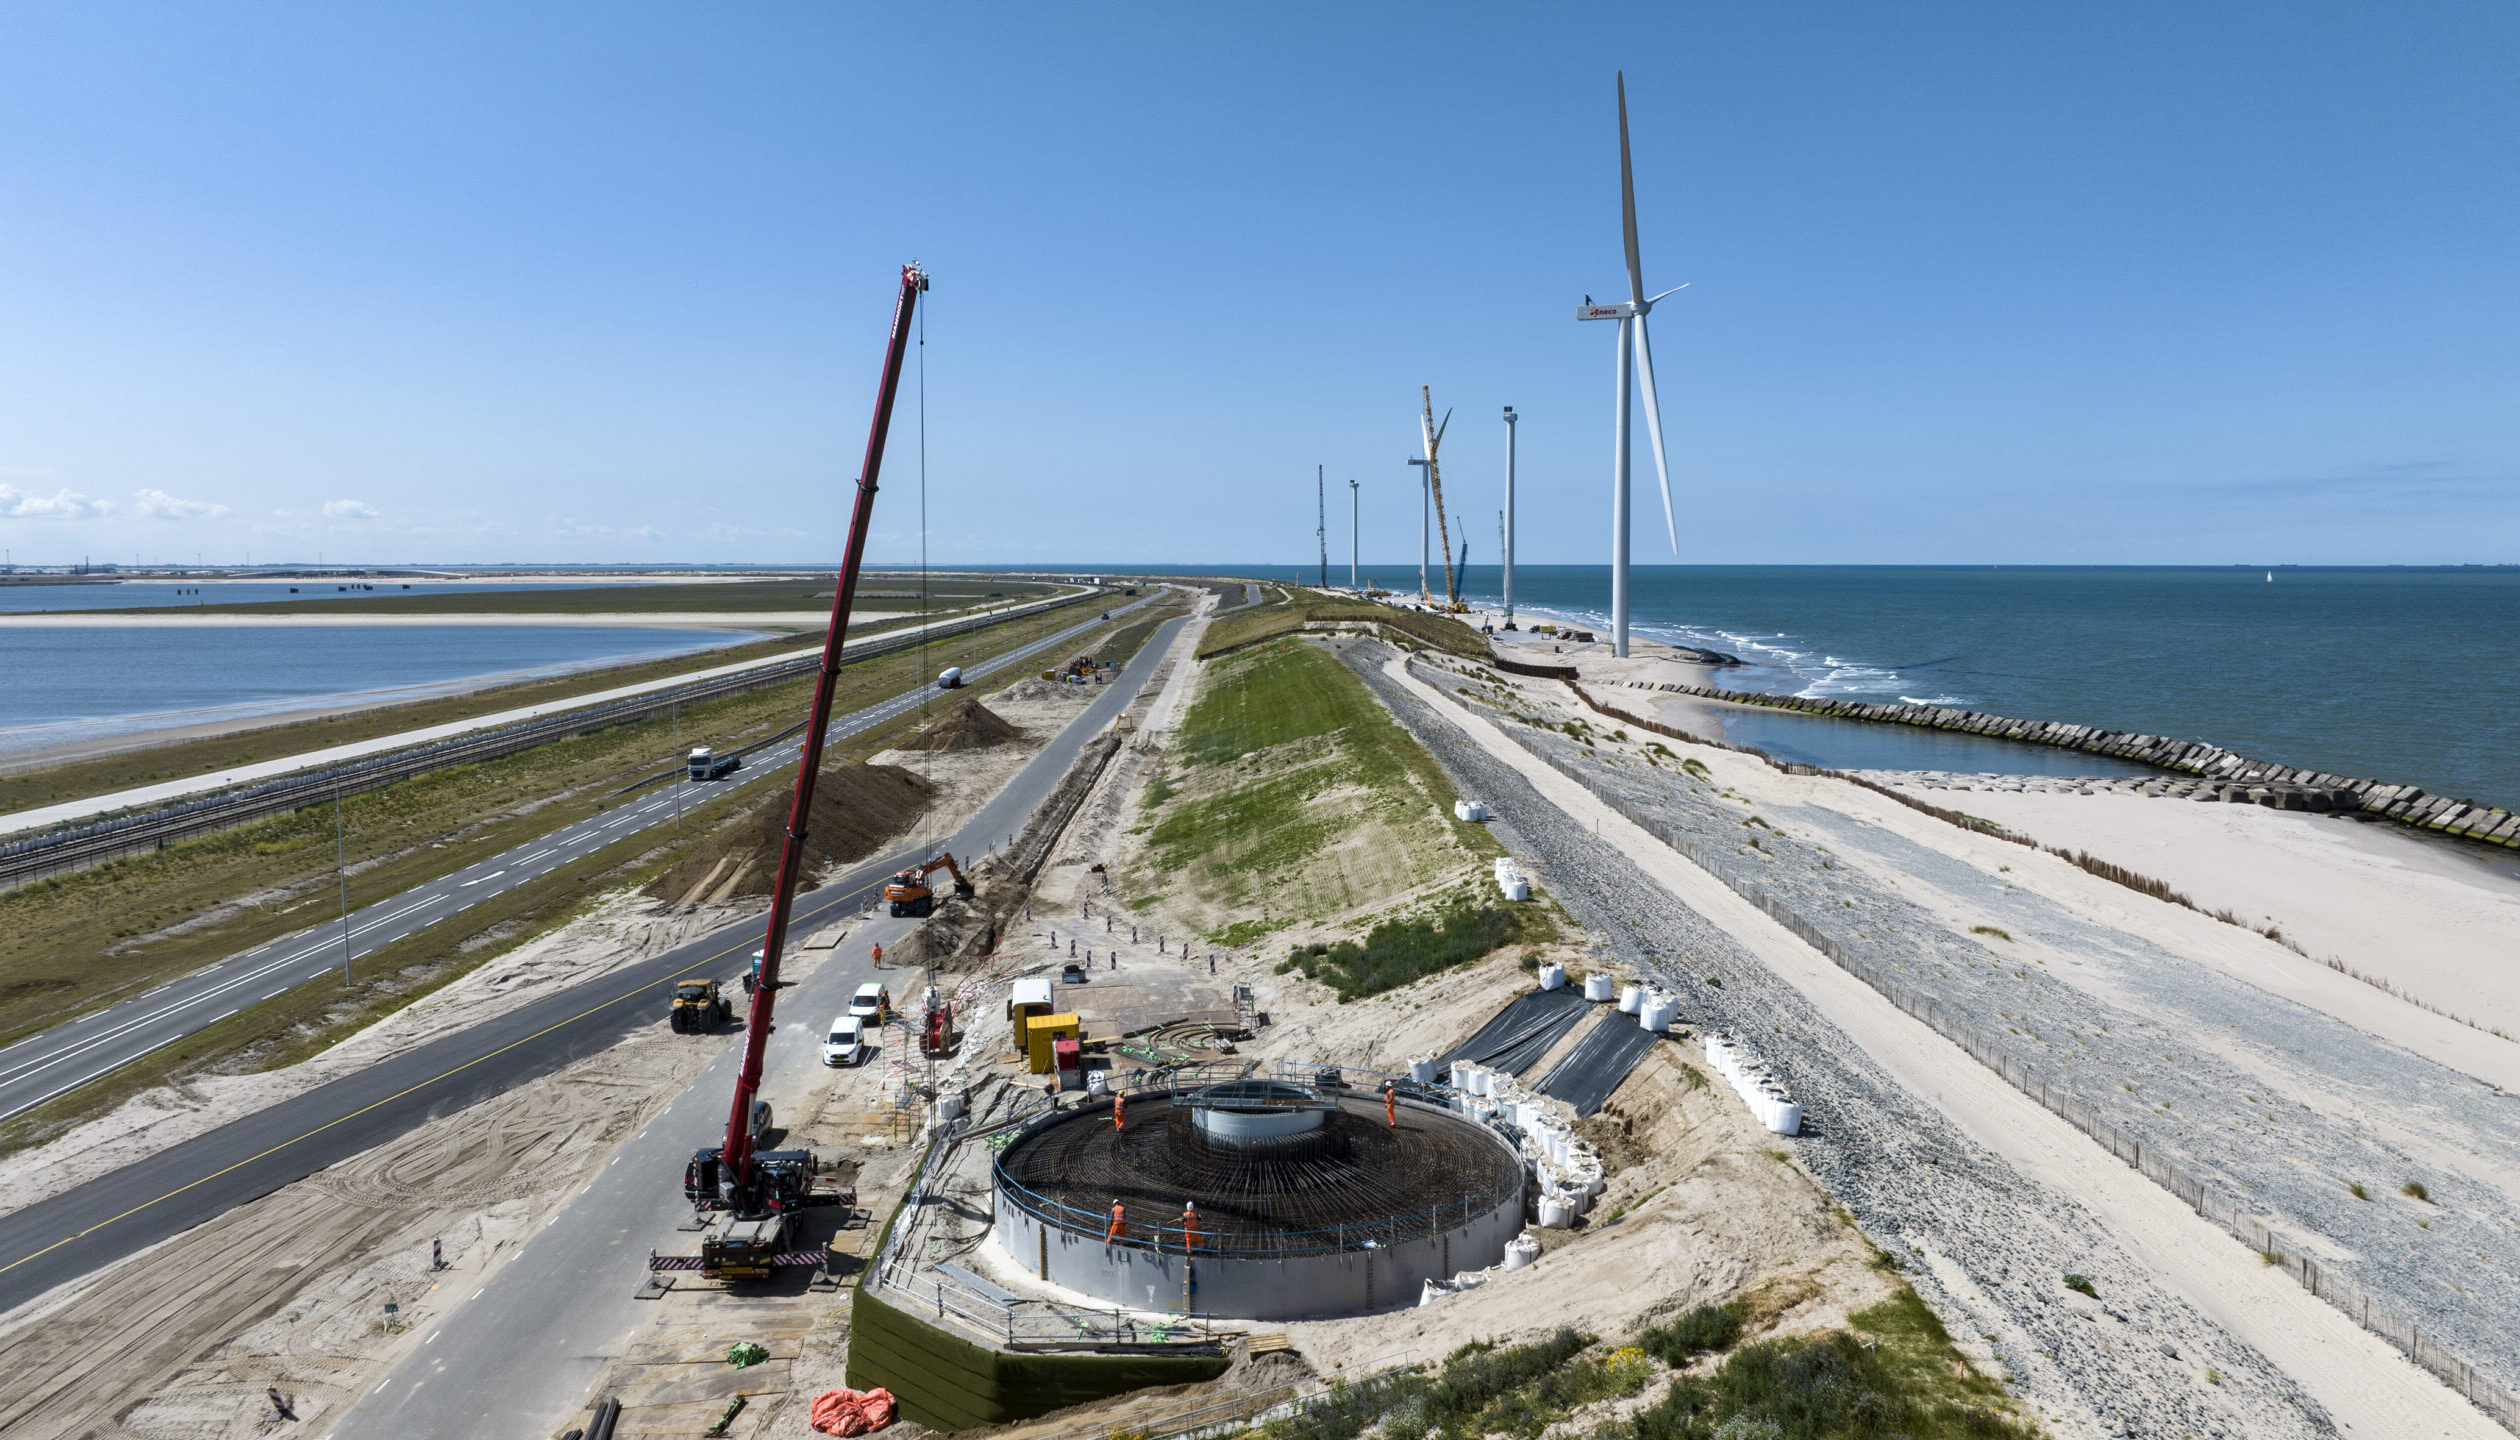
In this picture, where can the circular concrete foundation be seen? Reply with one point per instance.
(1259, 1200)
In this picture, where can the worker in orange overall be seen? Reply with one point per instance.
(1391, 1105)
(879, 954)
(1115, 1224)
(1189, 1226)
(1119, 1111)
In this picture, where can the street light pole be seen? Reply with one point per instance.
(1509, 517)
(341, 869)
(1352, 585)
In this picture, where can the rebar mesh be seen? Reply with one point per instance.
(1358, 1179)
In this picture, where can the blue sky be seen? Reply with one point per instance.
(547, 282)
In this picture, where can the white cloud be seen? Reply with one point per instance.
(574, 529)
(158, 505)
(16, 504)
(347, 510)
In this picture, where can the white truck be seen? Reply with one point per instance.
(707, 764)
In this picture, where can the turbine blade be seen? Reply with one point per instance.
(1653, 426)
(1627, 200)
(1439, 430)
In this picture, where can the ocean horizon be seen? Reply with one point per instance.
(2396, 673)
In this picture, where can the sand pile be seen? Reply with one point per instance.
(1033, 688)
(960, 931)
(968, 725)
(857, 808)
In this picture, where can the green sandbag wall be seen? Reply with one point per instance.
(948, 1383)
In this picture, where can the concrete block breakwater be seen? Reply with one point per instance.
(2234, 778)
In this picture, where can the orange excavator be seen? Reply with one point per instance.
(909, 893)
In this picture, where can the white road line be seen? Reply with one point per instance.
(493, 875)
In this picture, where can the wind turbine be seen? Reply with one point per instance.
(1633, 348)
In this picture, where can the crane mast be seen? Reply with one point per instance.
(1434, 434)
(737, 1184)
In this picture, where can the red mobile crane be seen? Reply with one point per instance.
(759, 1189)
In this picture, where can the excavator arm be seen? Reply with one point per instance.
(945, 862)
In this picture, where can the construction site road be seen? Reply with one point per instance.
(520, 1355)
(107, 1219)
(60, 1060)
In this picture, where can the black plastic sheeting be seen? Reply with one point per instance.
(1522, 1032)
(1599, 1061)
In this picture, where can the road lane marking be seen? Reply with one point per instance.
(428, 895)
(633, 993)
(493, 875)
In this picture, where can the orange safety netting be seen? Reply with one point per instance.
(853, 1412)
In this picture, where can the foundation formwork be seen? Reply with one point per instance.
(1352, 1217)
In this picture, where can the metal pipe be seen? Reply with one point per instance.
(738, 1151)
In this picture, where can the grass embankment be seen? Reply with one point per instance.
(1291, 798)
(1245, 627)
(109, 773)
(77, 941)
(734, 597)
(1902, 1377)
(66, 946)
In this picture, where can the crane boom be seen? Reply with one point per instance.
(1434, 434)
(735, 1158)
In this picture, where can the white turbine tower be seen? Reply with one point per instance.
(1633, 348)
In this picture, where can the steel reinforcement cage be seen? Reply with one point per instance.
(1358, 1086)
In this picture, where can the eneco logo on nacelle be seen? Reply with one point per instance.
(1619, 311)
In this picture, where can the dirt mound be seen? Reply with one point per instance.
(857, 808)
(960, 932)
(1033, 687)
(969, 725)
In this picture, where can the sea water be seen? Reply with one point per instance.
(2409, 675)
(64, 685)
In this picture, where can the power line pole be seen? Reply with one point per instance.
(1321, 524)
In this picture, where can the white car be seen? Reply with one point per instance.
(870, 1002)
(846, 1043)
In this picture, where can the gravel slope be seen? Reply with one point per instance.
(1987, 1246)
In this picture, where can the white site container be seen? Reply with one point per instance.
(1555, 1214)
(1422, 1069)
(1521, 1251)
(1470, 810)
(1600, 987)
(1630, 997)
(1552, 976)
(1657, 1012)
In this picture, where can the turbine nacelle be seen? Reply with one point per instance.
(1625, 309)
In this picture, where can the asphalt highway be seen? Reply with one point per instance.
(96, 1224)
(519, 1354)
(70, 1055)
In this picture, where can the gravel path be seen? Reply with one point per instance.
(1987, 1246)
(2310, 1126)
